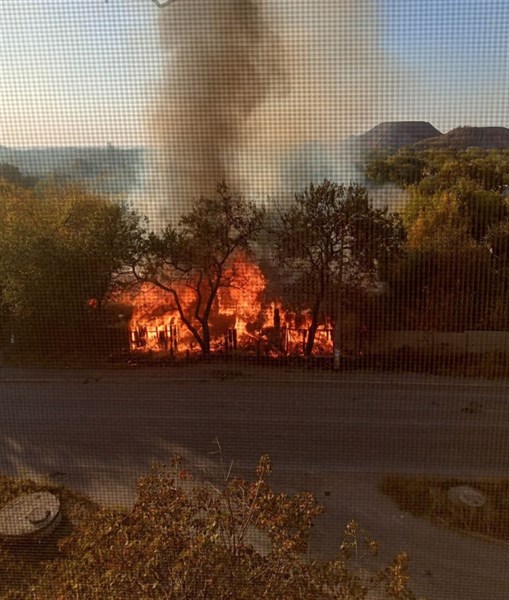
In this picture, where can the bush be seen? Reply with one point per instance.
(190, 542)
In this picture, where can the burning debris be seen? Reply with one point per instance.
(242, 319)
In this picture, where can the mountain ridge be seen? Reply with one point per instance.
(397, 134)
(467, 136)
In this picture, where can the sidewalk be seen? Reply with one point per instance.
(223, 372)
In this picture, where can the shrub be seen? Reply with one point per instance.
(186, 541)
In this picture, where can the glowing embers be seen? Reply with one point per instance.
(154, 323)
(286, 333)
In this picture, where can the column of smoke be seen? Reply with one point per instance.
(248, 84)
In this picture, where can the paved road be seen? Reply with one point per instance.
(334, 434)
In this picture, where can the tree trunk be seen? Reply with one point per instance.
(312, 332)
(205, 345)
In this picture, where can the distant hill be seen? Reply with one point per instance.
(396, 134)
(469, 137)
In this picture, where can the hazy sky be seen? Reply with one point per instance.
(86, 71)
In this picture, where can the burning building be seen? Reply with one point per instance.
(246, 83)
(242, 319)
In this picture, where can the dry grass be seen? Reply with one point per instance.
(427, 496)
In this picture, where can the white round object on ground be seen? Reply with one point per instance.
(467, 495)
(30, 514)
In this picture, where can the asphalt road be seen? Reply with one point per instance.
(335, 434)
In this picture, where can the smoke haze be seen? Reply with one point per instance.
(249, 83)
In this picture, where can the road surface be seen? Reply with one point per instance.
(334, 434)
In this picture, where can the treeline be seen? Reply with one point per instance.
(454, 273)
(103, 169)
(63, 249)
(443, 264)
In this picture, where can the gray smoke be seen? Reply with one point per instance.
(222, 59)
(250, 82)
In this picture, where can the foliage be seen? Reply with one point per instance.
(437, 170)
(185, 542)
(475, 209)
(334, 244)
(11, 174)
(405, 168)
(59, 248)
(455, 273)
(196, 257)
(467, 184)
(436, 289)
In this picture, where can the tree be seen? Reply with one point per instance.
(437, 170)
(454, 275)
(11, 174)
(406, 167)
(445, 281)
(196, 257)
(434, 288)
(59, 249)
(334, 244)
(475, 210)
(497, 242)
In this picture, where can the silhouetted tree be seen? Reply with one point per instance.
(196, 256)
(332, 243)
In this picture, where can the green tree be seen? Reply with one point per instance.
(481, 208)
(473, 210)
(445, 280)
(454, 276)
(196, 256)
(333, 244)
(404, 168)
(436, 170)
(58, 252)
(440, 289)
(11, 174)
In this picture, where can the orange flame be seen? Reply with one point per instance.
(239, 319)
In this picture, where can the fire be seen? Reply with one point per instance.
(241, 319)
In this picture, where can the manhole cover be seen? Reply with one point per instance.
(30, 514)
(467, 495)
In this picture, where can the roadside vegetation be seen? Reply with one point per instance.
(454, 273)
(22, 564)
(189, 541)
(331, 258)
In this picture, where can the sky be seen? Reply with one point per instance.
(86, 72)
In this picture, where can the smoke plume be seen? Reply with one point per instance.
(250, 82)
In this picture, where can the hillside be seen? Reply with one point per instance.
(395, 134)
(469, 137)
